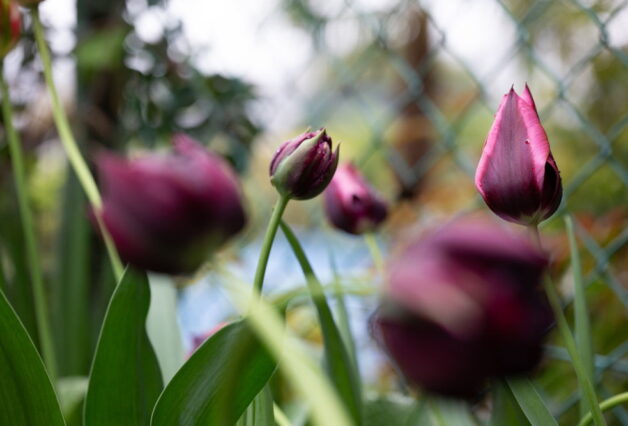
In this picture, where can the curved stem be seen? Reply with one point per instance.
(28, 229)
(267, 244)
(586, 386)
(69, 143)
(606, 405)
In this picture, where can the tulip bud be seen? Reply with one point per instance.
(166, 213)
(302, 167)
(10, 26)
(517, 175)
(351, 204)
(464, 305)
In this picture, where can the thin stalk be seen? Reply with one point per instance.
(267, 244)
(606, 405)
(376, 253)
(581, 314)
(28, 229)
(563, 327)
(69, 143)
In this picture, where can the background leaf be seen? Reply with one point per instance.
(26, 394)
(260, 412)
(125, 380)
(218, 382)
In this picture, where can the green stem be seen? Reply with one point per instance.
(563, 327)
(280, 417)
(376, 253)
(606, 405)
(582, 325)
(69, 143)
(267, 244)
(28, 228)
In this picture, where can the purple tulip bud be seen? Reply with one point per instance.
(351, 204)
(166, 213)
(10, 26)
(517, 175)
(302, 167)
(464, 304)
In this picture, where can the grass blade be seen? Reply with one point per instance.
(531, 402)
(582, 329)
(341, 369)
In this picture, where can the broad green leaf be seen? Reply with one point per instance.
(341, 369)
(218, 382)
(260, 412)
(163, 327)
(582, 329)
(531, 402)
(26, 394)
(125, 380)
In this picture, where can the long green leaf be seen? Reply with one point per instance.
(582, 329)
(26, 394)
(341, 369)
(531, 402)
(125, 380)
(218, 382)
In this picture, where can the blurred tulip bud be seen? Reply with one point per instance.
(167, 213)
(302, 167)
(351, 204)
(10, 26)
(464, 305)
(517, 175)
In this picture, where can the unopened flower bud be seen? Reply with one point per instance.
(517, 175)
(351, 204)
(10, 26)
(464, 305)
(167, 213)
(302, 167)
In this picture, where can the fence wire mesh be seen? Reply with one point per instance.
(412, 102)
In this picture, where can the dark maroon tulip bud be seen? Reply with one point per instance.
(10, 26)
(517, 175)
(351, 204)
(167, 213)
(464, 305)
(302, 167)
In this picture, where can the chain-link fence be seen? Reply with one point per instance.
(410, 89)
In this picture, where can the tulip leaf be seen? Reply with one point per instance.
(26, 394)
(125, 379)
(340, 367)
(218, 382)
(531, 402)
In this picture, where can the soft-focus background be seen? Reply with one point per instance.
(407, 87)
